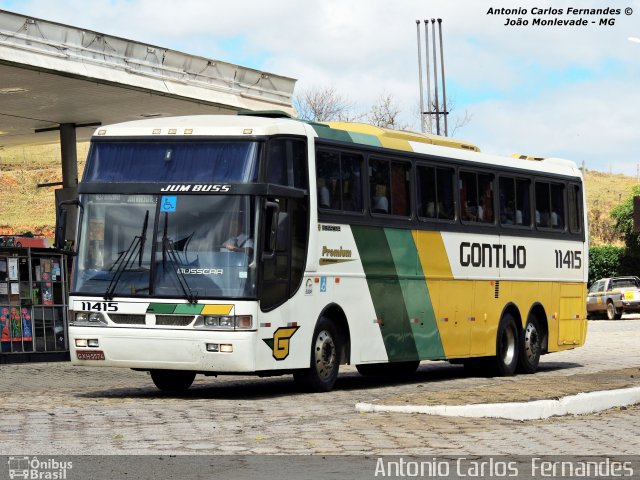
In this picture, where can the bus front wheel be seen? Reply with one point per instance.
(172, 380)
(325, 359)
(506, 359)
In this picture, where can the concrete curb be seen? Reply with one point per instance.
(582, 403)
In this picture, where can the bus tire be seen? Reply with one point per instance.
(393, 369)
(506, 359)
(530, 346)
(612, 312)
(325, 359)
(172, 380)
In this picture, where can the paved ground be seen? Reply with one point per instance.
(54, 408)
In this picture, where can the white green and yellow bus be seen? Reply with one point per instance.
(260, 244)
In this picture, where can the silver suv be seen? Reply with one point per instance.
(613, 297)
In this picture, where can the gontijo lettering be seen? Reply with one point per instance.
(492, 255)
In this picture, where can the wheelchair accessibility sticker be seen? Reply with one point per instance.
(168, 203)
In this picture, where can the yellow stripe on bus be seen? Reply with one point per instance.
(433, 256)
(217, 309)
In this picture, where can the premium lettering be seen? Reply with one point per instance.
(336, 252)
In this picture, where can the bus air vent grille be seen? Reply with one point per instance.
(497, 290)
(127, 319)
(174, 320)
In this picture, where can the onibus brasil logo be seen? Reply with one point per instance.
(35, 469)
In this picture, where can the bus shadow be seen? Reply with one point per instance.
(255, 389)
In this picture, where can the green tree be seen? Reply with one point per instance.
(622, 216)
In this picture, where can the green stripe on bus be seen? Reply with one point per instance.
(188, 309)
(161, 308)
(329, 133)
(416, 295)
(365, 139)
(386, 293)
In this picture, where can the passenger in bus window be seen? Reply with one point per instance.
(557, 220)
(480, 211)
(380, 202)
(518, 217)
(506, 216)
(239, 241)
(445, 210)
(430, 211)
(323, 194)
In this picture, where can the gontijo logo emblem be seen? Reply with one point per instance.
(280, 342)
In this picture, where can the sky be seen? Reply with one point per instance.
(553, 90)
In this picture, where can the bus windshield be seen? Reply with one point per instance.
(213, 161)
(184, 246)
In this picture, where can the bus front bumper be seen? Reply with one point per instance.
(147, 349)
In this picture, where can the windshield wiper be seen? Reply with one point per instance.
(167, 249)
(125, 258)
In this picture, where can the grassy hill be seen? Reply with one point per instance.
(26, 208)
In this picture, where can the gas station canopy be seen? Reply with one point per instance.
(54, 75)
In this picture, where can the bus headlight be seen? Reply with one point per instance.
(225, 322)
(89, 319)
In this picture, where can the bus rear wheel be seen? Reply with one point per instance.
(325, 359)
(530, 346)
(506, 359)
(172, 380)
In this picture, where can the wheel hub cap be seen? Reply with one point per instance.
(325, 354)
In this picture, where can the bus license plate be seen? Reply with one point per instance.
(90, 355)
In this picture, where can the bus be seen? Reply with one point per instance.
(261, 244)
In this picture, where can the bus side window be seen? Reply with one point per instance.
(557, 206)
(328, 179)
(514, 202)
(543, 207)
(351, 181)
(435, 192)
(485, 198)
(523, 202)
(389, 187)
(575, 209)
(427, 193)
(444, 187)
(400, 189)
(379, 177)
(288, 163)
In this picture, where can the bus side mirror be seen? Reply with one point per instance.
(61, 228)
(59, 242)
(272, 211)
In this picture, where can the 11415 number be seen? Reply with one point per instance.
(100, 306)
(569, 259)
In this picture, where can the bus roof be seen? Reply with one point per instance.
(253, 124)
